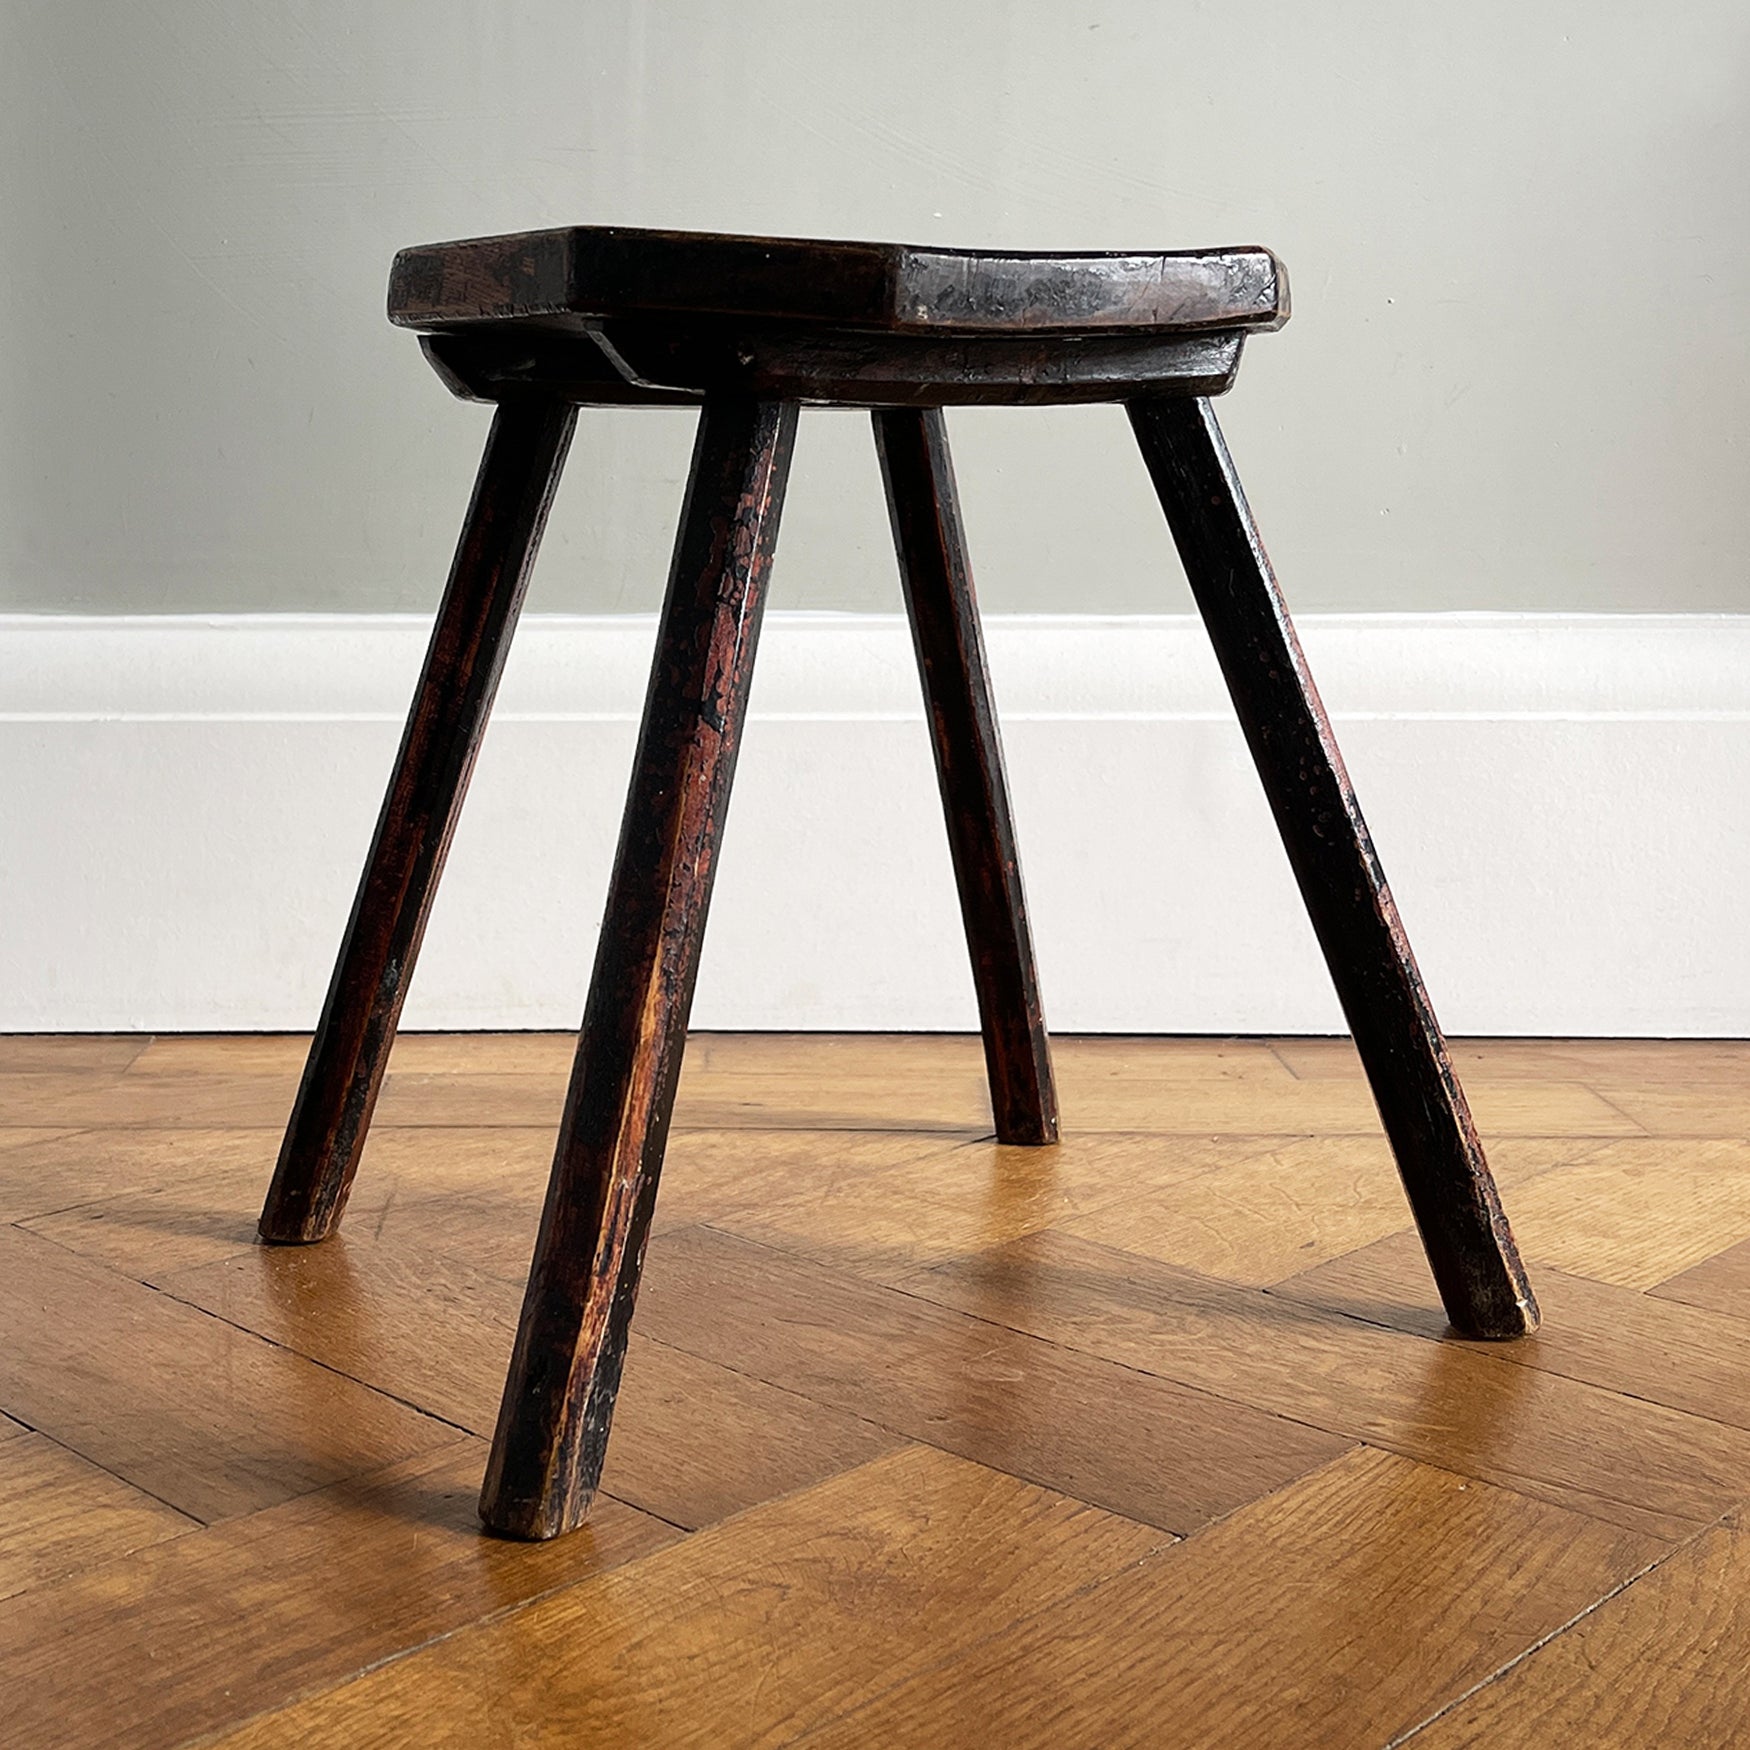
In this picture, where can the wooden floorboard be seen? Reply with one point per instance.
(22, 1053)
(1448, 1404)
(1635, 1213)
(1637, 1345)
(1155, 1438)
(1721, 1283)
(407, 1316)
(747, 1633)
(208, 1418)
(1259, 1218)
(191, 1636)
(943, 1205)
(1135, 1443)
(1341, 1611)
(1665, 1662)
(44, 1171)
(62, 1513)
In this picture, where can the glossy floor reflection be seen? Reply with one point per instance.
(1156, 1438)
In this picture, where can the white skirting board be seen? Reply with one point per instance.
(1562, 804)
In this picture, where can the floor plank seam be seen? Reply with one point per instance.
(195, 1522)
(910, 1437)
(1272, 1046)
(863, 1703)
(314, 1360)
(220, 1733)
(474, 1434)
(1627, 1118)
(1171, 1542)
(1032, 1337)
(506, 1611)
(1658, 1292)
(1326, 1314)
(1490, 1352)
(1561, 1629)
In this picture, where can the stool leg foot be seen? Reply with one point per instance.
(927, 531)
(1451, 1191)
(565, 1370)
(518, 476)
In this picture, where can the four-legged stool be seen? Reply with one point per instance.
(751, 328)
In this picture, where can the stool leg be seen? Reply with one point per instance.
(927, 531)
(519, 473)
(1451, 1191)
(571, 1342)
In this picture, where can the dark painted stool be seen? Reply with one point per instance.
(750, 328)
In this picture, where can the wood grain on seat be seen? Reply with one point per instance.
(610, 271)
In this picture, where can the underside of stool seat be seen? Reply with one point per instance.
(646, 363)
(657, 318)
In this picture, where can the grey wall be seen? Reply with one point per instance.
(1516, 377)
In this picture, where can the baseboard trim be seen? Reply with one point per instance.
(1560, 801)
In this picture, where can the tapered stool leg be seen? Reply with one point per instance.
(518, 476)
(571, 1342)
(1451, 1191)
(927, 531)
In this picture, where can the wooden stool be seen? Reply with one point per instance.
(751, 327)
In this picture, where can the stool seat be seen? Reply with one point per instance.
(608, 316)
(752, 328)
(601, 271)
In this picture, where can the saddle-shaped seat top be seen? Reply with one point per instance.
(606, 272)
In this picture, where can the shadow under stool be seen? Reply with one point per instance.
(750, 328)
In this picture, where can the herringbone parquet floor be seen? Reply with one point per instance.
(1151, 1439)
